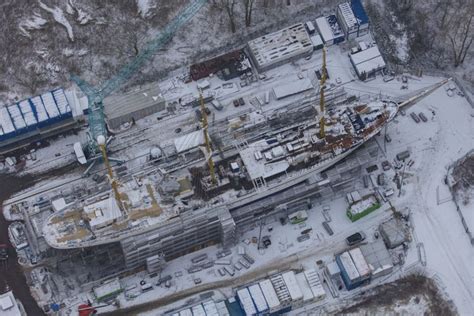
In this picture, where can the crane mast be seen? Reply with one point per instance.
(96, 95)
(322, 109)
(207, 141)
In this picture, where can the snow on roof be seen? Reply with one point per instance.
(304, 286)
(107, 288)
(359, 262)
(210, 308)
(362, 205)
(258, 298)
(349, 266)
(59, 204)
(29, 112)
(198, 310)
(377, 256)
(292, 285)
(50, 105)
(347, 14)
(222, 309)
(9, 305)
(261, 168)
(333, 268)
(16, 116)
(281, 288)
(317, 40)
(186, 312)
(291, 87)
(103, 212)
(371, 65)
(118, 105)
(269, 294)
(324, 29)
(315, 284)
(246, 301)
(365, 55)
(189, 141)
(6, 124)
(280, 45)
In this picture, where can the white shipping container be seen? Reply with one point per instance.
(292, 285)
(270, 295)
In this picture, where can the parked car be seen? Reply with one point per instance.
(355, 238)
(386, 165)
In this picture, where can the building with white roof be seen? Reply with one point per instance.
(246, 302)
(308, 296)
(258, 298)
(198, 310)
(280, 47)
(325, 31)
(315, 284)
(210, 308)
(367, 62)
(270, 296)
(9, 305)
(186, 312)
(293, 288)
(347, 20)
(359, 262)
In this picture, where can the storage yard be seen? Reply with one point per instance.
(289, 176)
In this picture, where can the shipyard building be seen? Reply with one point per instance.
(34, 119)
(275, 49)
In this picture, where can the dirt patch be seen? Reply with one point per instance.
(406, 295)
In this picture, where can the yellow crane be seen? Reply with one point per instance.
(322, 83)
(204, 123)
(101, 141)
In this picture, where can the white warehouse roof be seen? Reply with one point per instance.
(258, 298)
(246, 302)
(347, 14)
(270, 294)
(359, 262)
(292, 285)
(280, 45)
(325, 30)
(349, 266)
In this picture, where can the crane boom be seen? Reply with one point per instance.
(204, 122)
(322, 83)
(95, 96)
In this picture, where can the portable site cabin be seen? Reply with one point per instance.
(367, 205)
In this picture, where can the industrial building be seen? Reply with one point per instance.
(367, 62)
(226, 67)
(354, 269)
(9, 306)
(393, 233)
(134, 105)
(378, 258)
(34, 119)
(347, 20)
(330, 31)
(361, 16)
(280, 47)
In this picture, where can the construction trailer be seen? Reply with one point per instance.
(363, 207)
(361, 16)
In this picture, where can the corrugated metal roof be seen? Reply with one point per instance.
(258, 298)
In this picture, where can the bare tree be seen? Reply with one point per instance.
(248, 4)
(228, 6)
(461, 38)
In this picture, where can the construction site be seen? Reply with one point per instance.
(291, 176)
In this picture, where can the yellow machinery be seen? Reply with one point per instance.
(210, 162)
(322, 83)
(113, 182)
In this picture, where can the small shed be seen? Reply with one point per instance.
(378, 258)
(393, 233)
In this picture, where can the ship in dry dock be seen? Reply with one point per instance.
(172, 192)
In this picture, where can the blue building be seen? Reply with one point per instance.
(32, 119)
